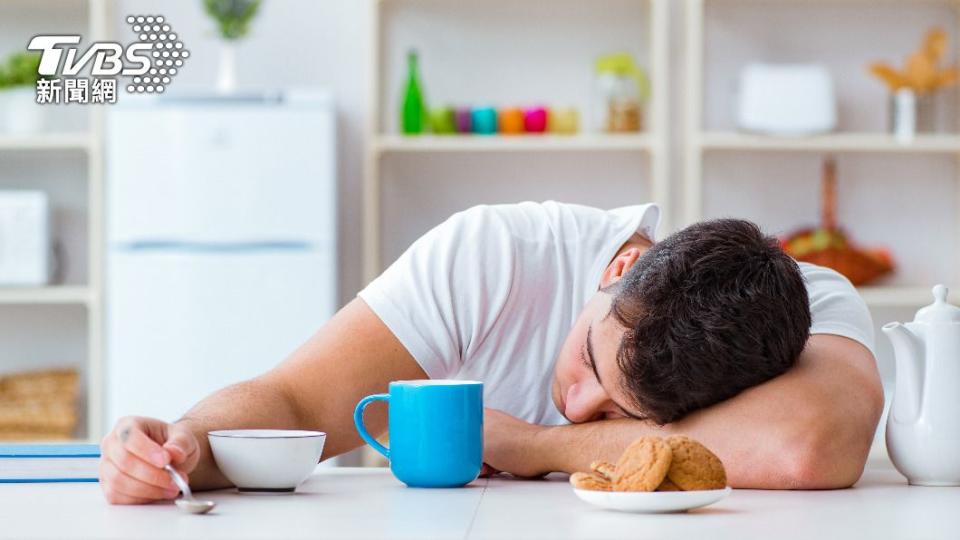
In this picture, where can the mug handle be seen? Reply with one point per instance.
(358, 421)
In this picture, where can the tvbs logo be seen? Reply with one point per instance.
(107, 57)
(150, 63)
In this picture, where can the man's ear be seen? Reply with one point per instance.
(619, 266)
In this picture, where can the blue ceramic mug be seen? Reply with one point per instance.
(436, 431)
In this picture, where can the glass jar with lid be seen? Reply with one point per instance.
(620, 89)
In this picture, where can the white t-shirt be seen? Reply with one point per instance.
(491, 294)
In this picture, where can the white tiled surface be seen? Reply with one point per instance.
(369, 503)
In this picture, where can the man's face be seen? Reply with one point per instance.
(587, 379)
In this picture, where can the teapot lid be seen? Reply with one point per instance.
(939, 310)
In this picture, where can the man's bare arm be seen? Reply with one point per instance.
(316, 388)
(249, 404)
(810, 428)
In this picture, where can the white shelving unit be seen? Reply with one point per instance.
(519, 143)
(48, 141)
(64, 294)
(837, 142)
(87, 295)
(901, 296)
(653, 142)
(700, 141)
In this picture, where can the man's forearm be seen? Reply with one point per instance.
(758, 452)
(810, 428)
(752, 459)
(245, 405)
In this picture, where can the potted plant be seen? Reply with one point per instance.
(915, 89)
(19, 112)
(233, 19)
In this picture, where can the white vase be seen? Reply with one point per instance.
(19, 112)
(227, 72)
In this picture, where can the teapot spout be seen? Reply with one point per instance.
(908, 352)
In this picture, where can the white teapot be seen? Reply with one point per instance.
(923, 428)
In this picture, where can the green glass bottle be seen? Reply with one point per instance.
(413, 118)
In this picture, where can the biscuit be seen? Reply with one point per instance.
(591, 481)
(604, 469)
(643, 465)
(667, 485)
(694, 467)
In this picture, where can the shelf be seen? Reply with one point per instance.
(908, 297)
(511, 143)
(47, 141)
(835, 142)
(45, 295)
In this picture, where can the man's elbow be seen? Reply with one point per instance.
(820, 468)
(831, 450)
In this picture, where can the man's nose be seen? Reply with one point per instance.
(584, 402)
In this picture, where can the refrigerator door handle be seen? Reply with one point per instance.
(214, 247)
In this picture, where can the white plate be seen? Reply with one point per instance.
(652, 502)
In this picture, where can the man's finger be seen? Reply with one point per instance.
(124, 484)
(486, 471)
(139, 444)
(122, 488)
(181, 445)
(134, 466)
(123, 499)
(177, 454)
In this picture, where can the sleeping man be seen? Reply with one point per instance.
(586, 335)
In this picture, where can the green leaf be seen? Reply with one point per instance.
(20, 69)
(233, 17)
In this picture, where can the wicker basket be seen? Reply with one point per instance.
(860, 267)
(38, 405)
(34, 436)
(52, 383)
(828, 245)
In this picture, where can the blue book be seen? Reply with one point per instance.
(49, 462)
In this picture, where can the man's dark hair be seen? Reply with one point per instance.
(711, 310)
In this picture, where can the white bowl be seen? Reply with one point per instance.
(266, 460)
(654, 502)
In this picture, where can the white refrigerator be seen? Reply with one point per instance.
(221, 242)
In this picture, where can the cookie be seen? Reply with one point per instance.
(604, 469)
(591, 481)
(667, 485)
(694, 467)
(643, 465)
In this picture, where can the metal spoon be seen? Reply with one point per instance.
(187, 503)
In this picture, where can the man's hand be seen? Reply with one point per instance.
(512, 445)
(133, 457)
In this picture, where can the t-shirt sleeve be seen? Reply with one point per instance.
(836, 307)
(442, 296)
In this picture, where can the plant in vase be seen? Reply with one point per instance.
(914, 88)
(233, 18)
(19, 112)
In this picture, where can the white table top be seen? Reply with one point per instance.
(369, 503)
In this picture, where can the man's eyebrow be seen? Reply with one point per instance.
(593, 364)
(597, 373)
